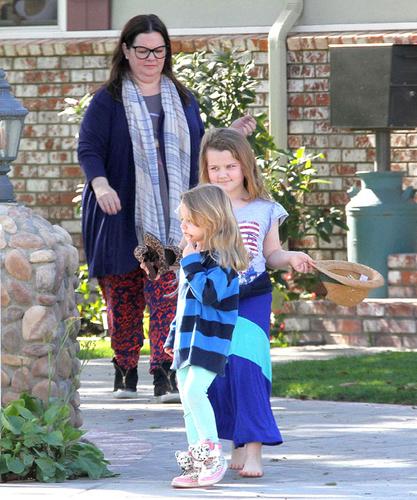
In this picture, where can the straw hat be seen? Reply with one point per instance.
(347, 283)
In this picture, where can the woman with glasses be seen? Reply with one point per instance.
(138, 146)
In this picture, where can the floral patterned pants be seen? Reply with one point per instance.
(126, 297)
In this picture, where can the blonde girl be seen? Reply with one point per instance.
(200, 335)
(241, 398)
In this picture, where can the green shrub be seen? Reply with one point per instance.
(225, 88)
(38, 442)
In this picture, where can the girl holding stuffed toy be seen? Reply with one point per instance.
(201, 333)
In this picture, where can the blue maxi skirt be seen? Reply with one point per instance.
(240, 399)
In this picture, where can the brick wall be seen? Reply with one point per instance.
(346, 152)
(42, 73)
(388, 322)
(402, 275)
(374, 322)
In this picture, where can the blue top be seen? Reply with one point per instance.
(105, 149)
(207, 310)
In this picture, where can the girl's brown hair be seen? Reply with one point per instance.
(227, 139)
(120, 66)
(211, 209)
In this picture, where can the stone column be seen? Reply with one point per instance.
(39, 317)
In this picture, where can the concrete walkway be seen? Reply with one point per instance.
(332, 451)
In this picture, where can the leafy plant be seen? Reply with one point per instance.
(289, 175)
(37, 439)
(75, 108)
(225, 88)
(38, 442)
(91, 307)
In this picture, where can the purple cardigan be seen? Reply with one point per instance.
(105, 149)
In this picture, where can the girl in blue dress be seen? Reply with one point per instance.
(241, 398)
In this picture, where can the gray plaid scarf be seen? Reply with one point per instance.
(149, 215)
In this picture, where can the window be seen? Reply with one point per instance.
(28, 13)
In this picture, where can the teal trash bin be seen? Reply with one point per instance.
(382, 220)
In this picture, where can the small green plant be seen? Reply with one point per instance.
(75, 108)
(91, 307)
(278, 337)
(38, 442)
(37, 439)
(290, 175)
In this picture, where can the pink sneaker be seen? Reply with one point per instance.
(189, 476)
(210, 462)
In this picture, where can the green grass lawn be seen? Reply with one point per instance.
(99, 347)
(389, 377)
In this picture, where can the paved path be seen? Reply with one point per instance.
(332, 451)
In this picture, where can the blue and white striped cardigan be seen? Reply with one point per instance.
(207, 310)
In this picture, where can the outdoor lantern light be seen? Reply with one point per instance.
(12, 117)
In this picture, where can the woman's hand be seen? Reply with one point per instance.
(301, 262)
(169, 351)
(150, 270)
(107, 198)
(246, 125)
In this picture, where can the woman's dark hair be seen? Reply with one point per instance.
(120, 65)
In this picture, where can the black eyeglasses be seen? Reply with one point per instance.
(143, 52)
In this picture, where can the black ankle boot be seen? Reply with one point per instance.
(119, 375)
(161, 384)
(131, 379)
(171, 376)
(125, 381)
(165, 385)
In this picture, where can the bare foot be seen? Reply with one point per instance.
(253, 463)
(238, 458)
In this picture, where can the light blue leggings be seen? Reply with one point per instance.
(200, 422)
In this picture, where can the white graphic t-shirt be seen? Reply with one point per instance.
(255, 220)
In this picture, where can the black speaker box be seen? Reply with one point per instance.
(373, 86)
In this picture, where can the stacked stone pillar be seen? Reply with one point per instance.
(39, 318)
